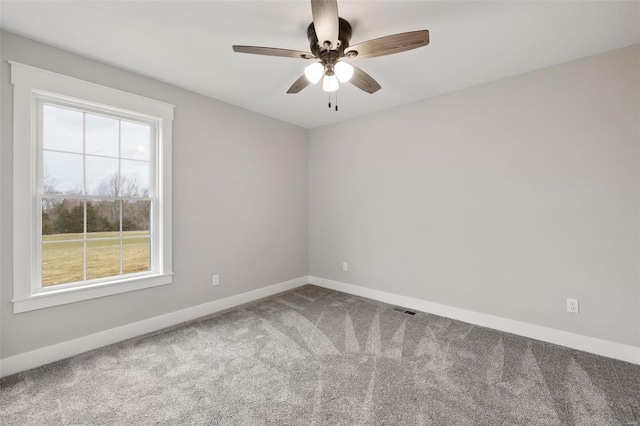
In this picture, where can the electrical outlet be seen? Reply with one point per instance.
(345, 266)
(573, 306)
(216, 280)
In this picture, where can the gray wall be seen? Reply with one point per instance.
(240, 205)
(505, 198)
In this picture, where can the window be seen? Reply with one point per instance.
(92, 190)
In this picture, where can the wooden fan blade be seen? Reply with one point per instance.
(300, 84)
(325, 21)
(390, 44)
(273, 51)
(364, 81)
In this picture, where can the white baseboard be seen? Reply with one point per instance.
(38, 357)
(46, 355)
(563, 338)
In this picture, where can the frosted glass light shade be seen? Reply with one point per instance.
(330, 83)
(343, 71)
(314, 72)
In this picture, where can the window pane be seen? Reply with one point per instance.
(102, 176)
(101, 156)
(49, 213)
(62, 129)
(103, 259)
(62, 219)
(135, 178)
(62, 173)
(136, 139)
(62, 263)
(103, 219)
(102, 137)
(136, 255)
(136, 216)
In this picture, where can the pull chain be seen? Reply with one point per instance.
(336, 100)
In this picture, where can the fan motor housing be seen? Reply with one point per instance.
(344, 36)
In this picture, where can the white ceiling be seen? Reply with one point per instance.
(188, 44)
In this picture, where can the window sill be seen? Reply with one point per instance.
(77, 294)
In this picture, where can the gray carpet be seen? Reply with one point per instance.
(313, 356)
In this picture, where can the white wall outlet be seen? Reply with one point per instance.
(345, 266)
(572, 306)
(216, 280)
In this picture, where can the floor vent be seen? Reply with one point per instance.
(404, 311)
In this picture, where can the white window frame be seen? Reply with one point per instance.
(31, 87)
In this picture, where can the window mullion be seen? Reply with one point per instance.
(84, 192)
(92, 197)
(120, 177)
(154, 189)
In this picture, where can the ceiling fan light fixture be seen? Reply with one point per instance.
(329, 39)
(343, 71)
(330, 83)
(314, 72)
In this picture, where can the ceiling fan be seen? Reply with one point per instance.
(329, 36)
